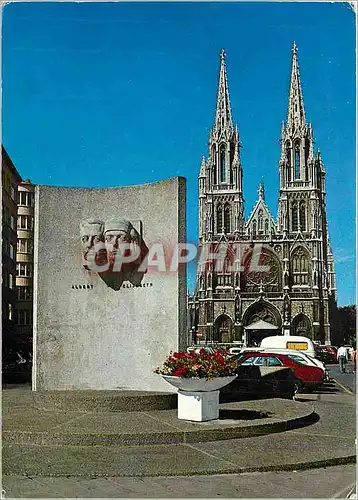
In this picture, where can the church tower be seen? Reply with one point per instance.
(221, 215)
(292, 289)
(221, 204)
(302, 218)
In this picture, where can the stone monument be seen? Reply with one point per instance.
(107, 306)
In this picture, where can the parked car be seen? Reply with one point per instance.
(300, 355)
(306, 376)
(326, 354)
(252, 382)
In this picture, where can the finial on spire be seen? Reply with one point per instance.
(261, 190)
(294, 49)
(222, 55)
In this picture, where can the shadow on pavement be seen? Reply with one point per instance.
(243, 414)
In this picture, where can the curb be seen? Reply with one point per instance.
(315, 464)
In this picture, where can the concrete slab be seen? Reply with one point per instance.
(331, 482)
(112, 461)
(30, 419)
(280, 451)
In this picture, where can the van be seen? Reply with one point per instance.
(294, 342)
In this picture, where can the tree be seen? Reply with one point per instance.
(347, 324)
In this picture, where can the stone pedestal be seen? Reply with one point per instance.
(198, 406)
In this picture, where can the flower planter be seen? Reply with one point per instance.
(198, 398)
(198, 384)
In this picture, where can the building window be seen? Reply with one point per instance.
(25, 222)
(24, 269)
(294, 217)
(13, 192)
(219, 219)
(21, 245)
(300, 268)
(23, 317)
(6, 215)
(12, 251)
(11, 281)
(297, 162)
(288, 158)
(24, 293)
(254, 228)
(213, 155)
(12, 222)
(303, 216)
(266, 227)
(227, 218)
(22, 222)
(24, 246)
(24, 198)
(260, 219)
(222, 164)
(11, 312)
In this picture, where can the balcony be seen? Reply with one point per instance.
(298, 183)
(223, 187)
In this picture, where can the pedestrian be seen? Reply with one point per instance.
(342, 356)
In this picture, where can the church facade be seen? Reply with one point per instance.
(274, 275)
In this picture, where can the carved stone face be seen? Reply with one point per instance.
(117, 234)
(91, 235)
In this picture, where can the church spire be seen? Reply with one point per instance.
(223, 118)
(296, 111)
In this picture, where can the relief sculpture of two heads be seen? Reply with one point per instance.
(113, 247)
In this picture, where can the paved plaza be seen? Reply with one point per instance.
(184, 463)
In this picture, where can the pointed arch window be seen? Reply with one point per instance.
(297, 161)
(219, 218)
(227, 218)
(294, 216)
(266, 227)
(222, 163)
(300, 268)
(303, 216)
(254, 228)
(215, 168)
(288, 159)
(260, 221)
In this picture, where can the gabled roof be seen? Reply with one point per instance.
(260, 204)
(261, 325)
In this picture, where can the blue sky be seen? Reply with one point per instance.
(111, 94)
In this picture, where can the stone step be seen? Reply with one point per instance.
(236, 420)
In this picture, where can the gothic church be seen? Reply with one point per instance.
(297, 293)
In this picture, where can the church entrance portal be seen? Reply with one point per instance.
(261, 320)
(223, 329)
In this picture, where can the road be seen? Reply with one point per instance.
(347, 379)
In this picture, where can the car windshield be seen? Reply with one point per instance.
(297, 359)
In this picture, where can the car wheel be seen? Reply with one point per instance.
(297, 386)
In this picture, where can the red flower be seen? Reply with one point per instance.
(181, 371)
